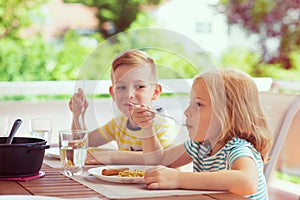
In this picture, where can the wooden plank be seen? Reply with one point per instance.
(11, 187)
(57, 185)
(226, 196)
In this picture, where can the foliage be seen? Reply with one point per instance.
(250, 63)
(170, 65)
(115, 16)
(68, 59)
(34, 59)
(268, 19)
(24, 59)
(288, 177)
(17, 14)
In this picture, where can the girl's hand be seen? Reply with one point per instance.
(141, 116)
(162, 178)
(78, 103)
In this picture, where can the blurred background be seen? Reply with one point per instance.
(50, 39)
(46, 45)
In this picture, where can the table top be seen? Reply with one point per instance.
(57, 185)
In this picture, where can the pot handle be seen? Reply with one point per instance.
(38, 147)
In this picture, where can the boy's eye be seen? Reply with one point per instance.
(140, 86)
(120, 87)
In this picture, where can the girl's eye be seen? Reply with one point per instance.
(199, 104)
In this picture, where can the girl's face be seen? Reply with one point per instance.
(130, 85)
(199, 112)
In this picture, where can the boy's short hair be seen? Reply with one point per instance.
(135, 58)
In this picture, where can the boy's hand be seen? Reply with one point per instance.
(91, 160)
(78, 103)
(141, 115)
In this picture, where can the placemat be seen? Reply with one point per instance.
(52, 162)
(124, 191)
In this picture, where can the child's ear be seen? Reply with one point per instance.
(111, 92)
(157, 92)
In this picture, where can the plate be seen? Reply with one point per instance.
(27, 197)
(53, 152)
(97, 172)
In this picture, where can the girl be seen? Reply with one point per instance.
(229, 139)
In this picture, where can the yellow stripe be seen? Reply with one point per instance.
(130, 141)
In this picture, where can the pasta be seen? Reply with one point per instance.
(132, 173)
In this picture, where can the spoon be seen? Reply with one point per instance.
(156, 110)
(13, 131)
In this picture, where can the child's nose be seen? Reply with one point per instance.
(186, 111)
(131, 92)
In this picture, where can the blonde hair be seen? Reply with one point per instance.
(134, 58)
(235, 101)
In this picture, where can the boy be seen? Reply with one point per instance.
(131, 73)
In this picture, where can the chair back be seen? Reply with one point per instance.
(280, 110)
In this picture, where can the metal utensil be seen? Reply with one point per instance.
(156, 110)
(13, 131)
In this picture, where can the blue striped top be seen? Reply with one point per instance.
(223, 159)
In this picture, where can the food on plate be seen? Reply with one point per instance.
(132, 173)
(111, 171)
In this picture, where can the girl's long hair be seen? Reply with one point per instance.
(235, 101)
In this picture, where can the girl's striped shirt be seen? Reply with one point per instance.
(224, 158)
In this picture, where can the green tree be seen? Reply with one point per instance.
(32, 58)
(115, 16)
(15, 15)
(269, 20)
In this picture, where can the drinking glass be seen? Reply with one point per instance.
(41, 128)
(3, 126)
(73, 150)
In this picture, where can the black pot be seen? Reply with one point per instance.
(23, 158)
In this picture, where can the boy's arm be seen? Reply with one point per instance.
(95, 139)
(78, 122)
(152, 148)
(118, 157)
(78, 105)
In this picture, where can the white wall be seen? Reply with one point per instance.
(183, 16)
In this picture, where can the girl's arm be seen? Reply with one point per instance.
(241, 179)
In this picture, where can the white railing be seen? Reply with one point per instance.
(68, 87)
(101, 87)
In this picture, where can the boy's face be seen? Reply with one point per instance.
(131, 84)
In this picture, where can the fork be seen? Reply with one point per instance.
(157, 112)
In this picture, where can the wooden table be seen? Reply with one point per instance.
(57, 185)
